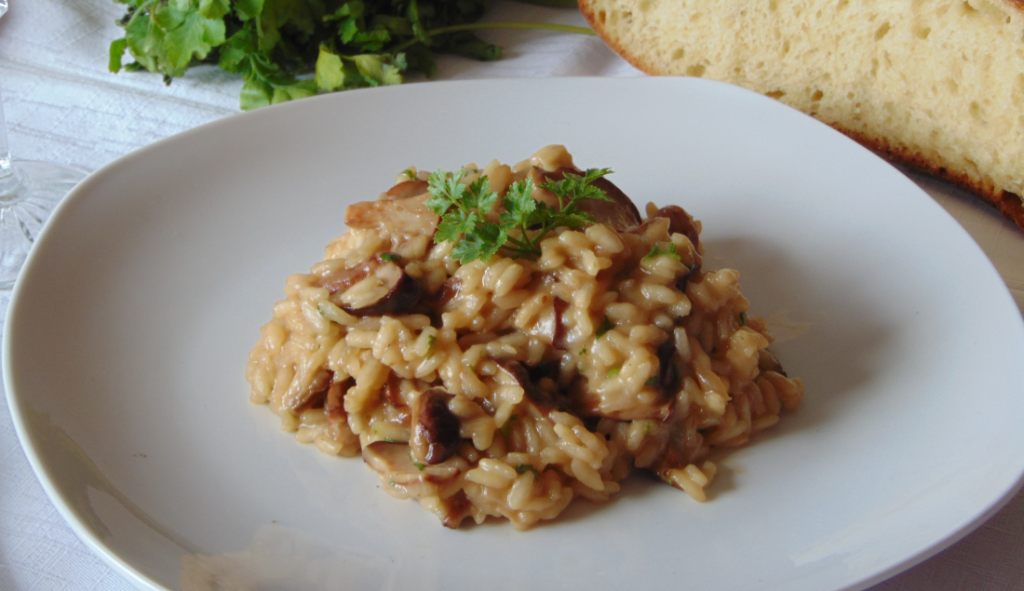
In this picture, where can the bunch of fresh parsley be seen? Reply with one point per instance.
(289, 49)
(524, 223)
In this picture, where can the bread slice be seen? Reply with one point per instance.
(935, 84)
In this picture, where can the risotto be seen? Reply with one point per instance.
(509, 381)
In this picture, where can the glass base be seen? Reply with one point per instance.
(26, 200)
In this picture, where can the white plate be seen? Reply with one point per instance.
(129, 329)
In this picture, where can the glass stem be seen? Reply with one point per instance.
(8, 181)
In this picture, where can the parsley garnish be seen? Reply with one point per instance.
(583, 351)
(743, 318)
(605, 327)
(431, 340)
(390, 257)
(273, 44)
(658, 252)
(507, 427)
(652, 381)
(522, 225)
(524, 468)
(614, 372)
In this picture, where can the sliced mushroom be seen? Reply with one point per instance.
(337, 418)
(543, 402)
(455, 508)
(560, 340)
(397, 293)
(620, 213)
(668, 373)
(435, 435)
(392, 391)
(405, 190)
(405, 220)
(680, 222)
(691, 273)
(342, 279)
(312, 395)
(766, 361)
(335, 401)
(394, 464)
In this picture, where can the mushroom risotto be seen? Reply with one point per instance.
(498, 341)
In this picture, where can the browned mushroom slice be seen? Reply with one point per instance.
(405, 190)
(337, 418)
(335, 401)
(691, 273)
(392, 391)
(620, 213)
(403, 219)
(560, 340)
(394, 464)
(680, 222)
(313, 394)
(668, 373)
(342, 279)
(398, 293)
(435, 435)
(455, 509)
(766, 361)
(685, 446)
(539, 398)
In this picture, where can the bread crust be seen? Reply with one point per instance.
(1009, 204)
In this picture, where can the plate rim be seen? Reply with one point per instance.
(39, 465)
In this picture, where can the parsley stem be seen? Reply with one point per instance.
(499, 25)
(147, 5)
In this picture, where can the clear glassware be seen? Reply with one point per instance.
(29, 191)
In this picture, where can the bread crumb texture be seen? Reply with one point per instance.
(937, 84)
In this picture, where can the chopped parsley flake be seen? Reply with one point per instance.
(507, 427)
(524, 468)
(671, 252)
(614, 372)
(390, 257)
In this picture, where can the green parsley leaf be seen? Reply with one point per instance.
(524, 468)
(377, 43)
(671, 252)
(520, 228)
(652, 381)
(390, 257)
(614, 372)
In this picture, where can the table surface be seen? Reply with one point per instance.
(63, 105)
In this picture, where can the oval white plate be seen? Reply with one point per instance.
(129, 329)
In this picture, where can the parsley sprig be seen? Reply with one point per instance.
(463, 208)
(290, 49)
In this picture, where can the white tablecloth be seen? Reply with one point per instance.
(63, 105)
